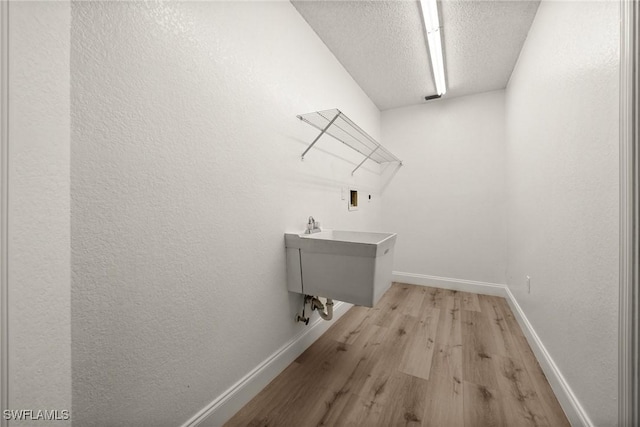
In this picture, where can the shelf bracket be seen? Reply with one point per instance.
(365, 159)
(321, 133)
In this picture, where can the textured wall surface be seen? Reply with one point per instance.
(185, 173)
(562, 157)
(39, 276)
(447, 203)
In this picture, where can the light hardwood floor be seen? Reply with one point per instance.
(422, 357)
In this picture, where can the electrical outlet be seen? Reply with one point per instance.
(528, 284)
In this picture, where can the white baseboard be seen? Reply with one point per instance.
(461, 285)
(221, 409)
(568, 400)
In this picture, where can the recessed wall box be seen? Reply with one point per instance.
(353, 200)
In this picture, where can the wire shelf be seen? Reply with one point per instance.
(336, 124)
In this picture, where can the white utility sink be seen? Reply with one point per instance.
(350, 266)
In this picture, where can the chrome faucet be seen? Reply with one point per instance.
(312, 226)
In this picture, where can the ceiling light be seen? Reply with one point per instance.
(432, 27)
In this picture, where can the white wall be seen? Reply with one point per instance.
(562, 157)
(39, 254)
(185, 173)
(447, 203)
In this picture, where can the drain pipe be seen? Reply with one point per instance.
(316, 304)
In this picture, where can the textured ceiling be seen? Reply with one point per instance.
(382, 44)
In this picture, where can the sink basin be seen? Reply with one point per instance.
(350, 266)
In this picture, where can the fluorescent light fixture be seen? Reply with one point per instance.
(432, 26)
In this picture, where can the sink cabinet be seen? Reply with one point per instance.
(349, 266)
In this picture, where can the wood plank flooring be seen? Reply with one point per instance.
(422, 357)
